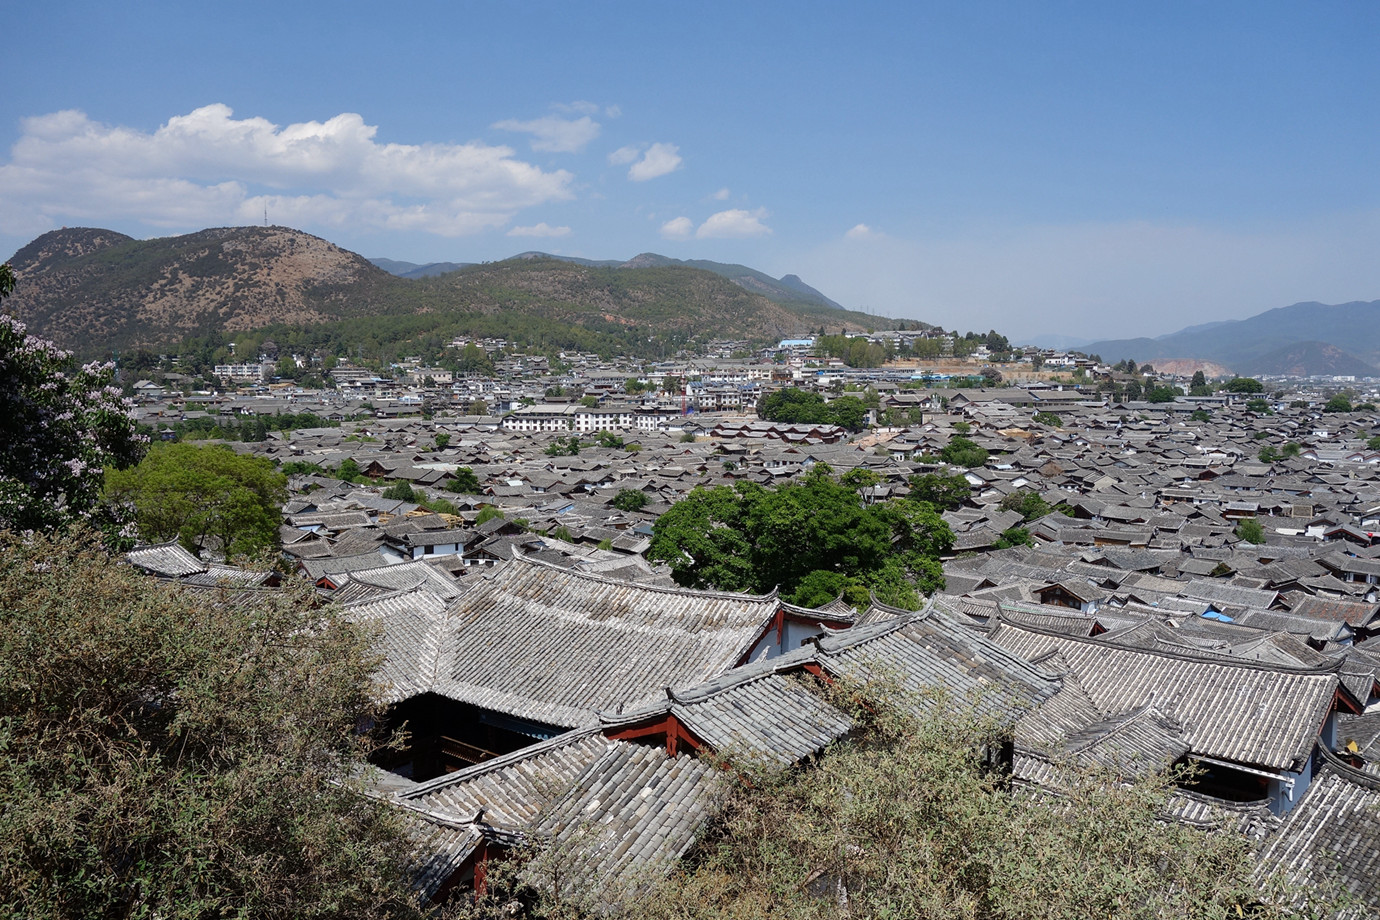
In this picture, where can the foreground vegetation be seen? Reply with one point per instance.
(181, 754)
(909, 819)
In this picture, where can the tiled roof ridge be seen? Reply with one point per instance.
(1122, 722)
(1332, 668)
(1346, 772)
(520, 556)
(500, 762)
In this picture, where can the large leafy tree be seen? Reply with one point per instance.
(792, 406)
(946, 493)
(206, 497)
(61, 428)
(747, 538)
(168, 752)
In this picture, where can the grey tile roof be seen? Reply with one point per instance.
(930, 651)
(621, 811)
(556, 646)
(754, 711)
(412, 626)
(1332, 837)
(1236, 711)
(633, 813)
(166, 560)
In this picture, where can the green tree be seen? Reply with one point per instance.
(1249, 530)
(1048, 418)
(1338, 403)
(349, 471)
(1029, 503)
(1199, 380)
(442, 440)
(1162, 394)
(1245, 385)
(962, 452)
(589, 402)
(1268, 454)
(172, 753)
(1373, 443)
(61, 429)
(747, 538)
(1014, 536)
(1258, 406)
(486, 514)
(401, 491)
(1200, 415)
(629, 499)
(463, 480)
(206, 497)
(944, 492)
(821, 587)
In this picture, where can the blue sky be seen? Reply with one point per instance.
(1092, 169)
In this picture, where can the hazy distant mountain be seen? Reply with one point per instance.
(96, 291)
(413, 270)
(1305, 359)
(787, 289)
(1255, 345)
(1053, 340)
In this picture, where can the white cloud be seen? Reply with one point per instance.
(680, 228)
(720, 195)
(624, 155)
(542, 229)
(613, 111)
(207, 167)
(658, 160)
(861, 232)
(554, 134)
(578, 107)
(734, 223)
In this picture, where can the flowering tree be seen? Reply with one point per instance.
(60, 427)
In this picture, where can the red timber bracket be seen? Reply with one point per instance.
(677, 736)
(1343, 701)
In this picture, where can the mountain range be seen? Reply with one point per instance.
(787, 289)
(95, 290)
(1304, 339)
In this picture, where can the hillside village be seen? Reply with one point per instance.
(1133, 628)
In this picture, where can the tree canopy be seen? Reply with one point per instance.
(61, 427)
(795, 406)
(1340, 402)
(961, 451)
(629, 499)
(749, 538)
(206, 497)
(946, 493)
(1245, 385)
(171, 752)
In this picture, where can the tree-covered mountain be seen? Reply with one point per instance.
(413, 270)
(95, 291)
(787, 289)
(1306, 338)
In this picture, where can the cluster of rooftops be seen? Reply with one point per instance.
(550, 681)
